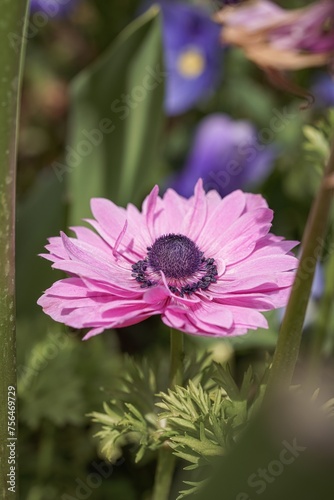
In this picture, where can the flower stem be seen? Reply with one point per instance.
(164, 474)
(176, 358)
(12, 26)
(289, 339)
(166, 460)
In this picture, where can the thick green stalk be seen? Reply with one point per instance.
(289, 339)
(13, 16)
(166, 460)
(164, 474)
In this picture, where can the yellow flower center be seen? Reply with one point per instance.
(191, 63)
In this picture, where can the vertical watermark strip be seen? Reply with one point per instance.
(11, 65)
(11, 439)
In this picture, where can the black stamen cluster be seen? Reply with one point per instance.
(202, 284)
(139, 272)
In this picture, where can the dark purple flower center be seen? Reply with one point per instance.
(175, 255)
(182, 263)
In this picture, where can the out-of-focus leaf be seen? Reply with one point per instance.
(40, 216)
(316, 142)
(54, 383)
(265, 339)
(116, 119)
(41, 394)
(261, 338)
(288, 463)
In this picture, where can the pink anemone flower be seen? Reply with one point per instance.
(208, 265)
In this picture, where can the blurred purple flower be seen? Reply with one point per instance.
(227, 155)
(53, 8)
(323, 90)
(193, 55)
(318, 286)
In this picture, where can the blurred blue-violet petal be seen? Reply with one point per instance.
(193, 55)
(318, 286)
(227, 155)
(53, 8)
(323, 90)
(317, 291)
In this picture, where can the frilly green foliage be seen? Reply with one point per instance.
(59, 376)
(317, 144)
(60, 379)
(196, 423)
(199, 421)
(302, 178)
(130, 416)
(68, 407)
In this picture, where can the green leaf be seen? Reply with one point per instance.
(317, 142)
(114, 138)
(131, 415)
(196, 487)
(260, 339)
(182, 423)
(225, 380)
(189, 457)
(39, 216)
(40, 395)
(203, 447)
(246, 383)
(135, 412)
